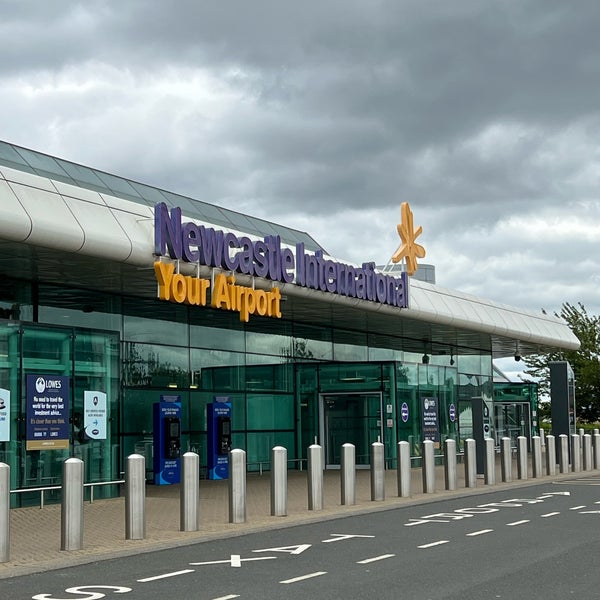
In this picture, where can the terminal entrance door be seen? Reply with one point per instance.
(350, 418)
(512, 419)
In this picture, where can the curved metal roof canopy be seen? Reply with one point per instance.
(55, 229)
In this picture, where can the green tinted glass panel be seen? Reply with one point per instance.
(266, 411)
(155, 366)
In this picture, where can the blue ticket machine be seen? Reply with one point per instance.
(218, 419)
(167, 442)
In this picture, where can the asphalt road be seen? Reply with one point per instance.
(534, 542)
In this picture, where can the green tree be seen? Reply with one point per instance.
(585, 362)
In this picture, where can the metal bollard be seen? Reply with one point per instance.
(189, 493)
(135, 497)
(279, 486)
(550, 455)
(403, 469)
(596, 445)
(490, 462)
(470, 464)
(587, 452)
(563, 453)
(506, 459)
(377, 472)
(536, 456)
(581, 431)
(348, 471)
(450, 464)
(315, 477)
(428, 467)
(4, 513)
(522, 458)
(596, 431)
(71, 512)
(237, 486)
(542, 437)
(575, 453)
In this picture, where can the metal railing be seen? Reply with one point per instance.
(261, 464)
(51, 488)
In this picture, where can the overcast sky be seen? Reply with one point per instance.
(326, 115)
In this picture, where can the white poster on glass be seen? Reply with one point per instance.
(94, 414)
(4, 415)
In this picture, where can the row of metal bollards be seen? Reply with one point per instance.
(567, 455)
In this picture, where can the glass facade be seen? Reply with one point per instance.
(289, 383)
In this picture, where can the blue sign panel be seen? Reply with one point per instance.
(452, 413)
(404, 412)
(47, 400)
(218, 417)
(167, 442)
(430, 419)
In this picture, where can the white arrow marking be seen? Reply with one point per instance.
(345, 536)
(299, 549)
(234, 558)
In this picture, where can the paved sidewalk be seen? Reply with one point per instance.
(35, 534)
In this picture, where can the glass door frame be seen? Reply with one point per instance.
(323, 430)
(516, 406)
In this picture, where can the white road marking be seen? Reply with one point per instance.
(552, 514)
(165, 575)
(517, 523)
(480, 532)
(235, 560)
(303, 577)
(230, 597)
(232, 560)
(577, 507)
(598, 502)
(439, 543)
(589, 512)
(374, 559)
(289, 549)
(345, 536)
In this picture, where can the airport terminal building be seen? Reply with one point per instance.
(116, 297)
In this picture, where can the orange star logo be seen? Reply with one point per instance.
(409, 249)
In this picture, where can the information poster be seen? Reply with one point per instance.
(94, 414)
(4, 415)
(430, 419)
(47, 412)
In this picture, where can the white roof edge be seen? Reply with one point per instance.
(127, 236)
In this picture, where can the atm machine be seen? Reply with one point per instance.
(167, 441)
(218, 420)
